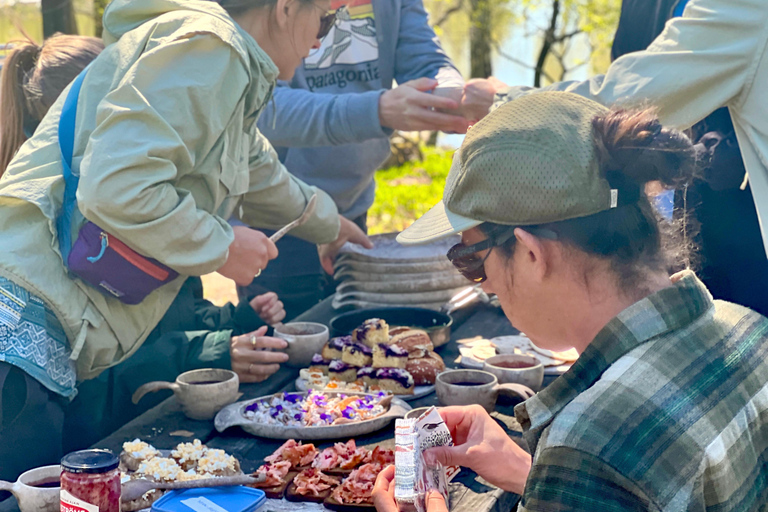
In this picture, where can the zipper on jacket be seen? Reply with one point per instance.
(136, 259)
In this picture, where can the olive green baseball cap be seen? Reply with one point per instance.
(530, 161)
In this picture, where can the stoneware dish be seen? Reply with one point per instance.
(304, 339)
(530, 372)
(201, 393)
(29, 490)
(415, 413)
(468, 387)
(387, 250)
(234, 416)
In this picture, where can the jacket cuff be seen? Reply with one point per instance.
(246, 319)
(362, 114)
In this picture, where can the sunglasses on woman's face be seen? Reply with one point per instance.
(327, 21)
(472, 266)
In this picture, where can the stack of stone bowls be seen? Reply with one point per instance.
(391, 274)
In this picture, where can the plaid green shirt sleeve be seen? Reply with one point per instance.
(666, 409)
(565, 479)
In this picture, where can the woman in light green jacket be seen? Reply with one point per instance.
(167, 149)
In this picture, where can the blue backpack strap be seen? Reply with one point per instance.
(679, 8)
(67, 146)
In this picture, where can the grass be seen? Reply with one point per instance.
(406, 192)
(20, 18)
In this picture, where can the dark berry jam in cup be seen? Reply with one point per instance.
(90, 482)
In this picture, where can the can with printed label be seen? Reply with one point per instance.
(90, 482)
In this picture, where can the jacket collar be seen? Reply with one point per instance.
(668, 310)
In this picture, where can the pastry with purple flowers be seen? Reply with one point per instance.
(368, 376)
(357, 354)
(395, 380)
(333, 349)
(319, 364)
(372, 332)
(339, 370)
(389, 356)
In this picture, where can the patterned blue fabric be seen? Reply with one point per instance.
(32, 339)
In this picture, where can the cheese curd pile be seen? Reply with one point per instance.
(315, 410)
(188, 461)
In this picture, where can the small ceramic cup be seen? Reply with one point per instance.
(416, 413)
(520, 369)
(468, 387)
(455, 92)
(201, 393)
(304, 339)
(36, 490)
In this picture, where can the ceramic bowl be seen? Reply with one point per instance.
(415, 413)
(468, 387)
(32, 492)
(304, 339)
(201, 393)
(529, 370)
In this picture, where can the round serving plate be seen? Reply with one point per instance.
(407, 267)
(355, 304)
(347, 274)
(418, 391)
(387, 250)
(234, 415)
(400, 299)
(399, 286)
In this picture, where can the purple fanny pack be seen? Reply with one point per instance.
(106, 263)
(97, 257)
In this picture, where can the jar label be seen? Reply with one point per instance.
(71, 504)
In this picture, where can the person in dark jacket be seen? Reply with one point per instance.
(193, 334)
(732, 259)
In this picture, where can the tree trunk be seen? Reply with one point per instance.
(546, 47)
(58, 16)
(480, 39)
(98, 14)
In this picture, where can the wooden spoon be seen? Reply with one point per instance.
(136, 488)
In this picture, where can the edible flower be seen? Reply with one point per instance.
(292, 397)
(325, 417)
(348, 413)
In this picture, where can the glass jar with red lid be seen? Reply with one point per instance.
(90, 482)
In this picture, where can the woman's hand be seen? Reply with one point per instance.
(269, 308)
(411, 107)
(479, 94)
(349, 232)
(251, 359)
(248, 254)
(384, 494)
(482, 446)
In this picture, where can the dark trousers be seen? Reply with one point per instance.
(31, 423)
(296, 275)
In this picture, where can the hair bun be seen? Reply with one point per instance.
(634, 148)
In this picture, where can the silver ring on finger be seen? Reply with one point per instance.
(253, 341)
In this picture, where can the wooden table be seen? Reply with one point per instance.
(165, 425)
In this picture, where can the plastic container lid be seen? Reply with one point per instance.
(90, 461)
(213, 499)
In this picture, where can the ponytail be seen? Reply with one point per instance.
(14, 113)
(32, 78)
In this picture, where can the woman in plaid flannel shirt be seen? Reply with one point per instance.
(667, 406)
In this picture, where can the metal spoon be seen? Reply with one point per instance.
(135, 489)
(308, 211)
